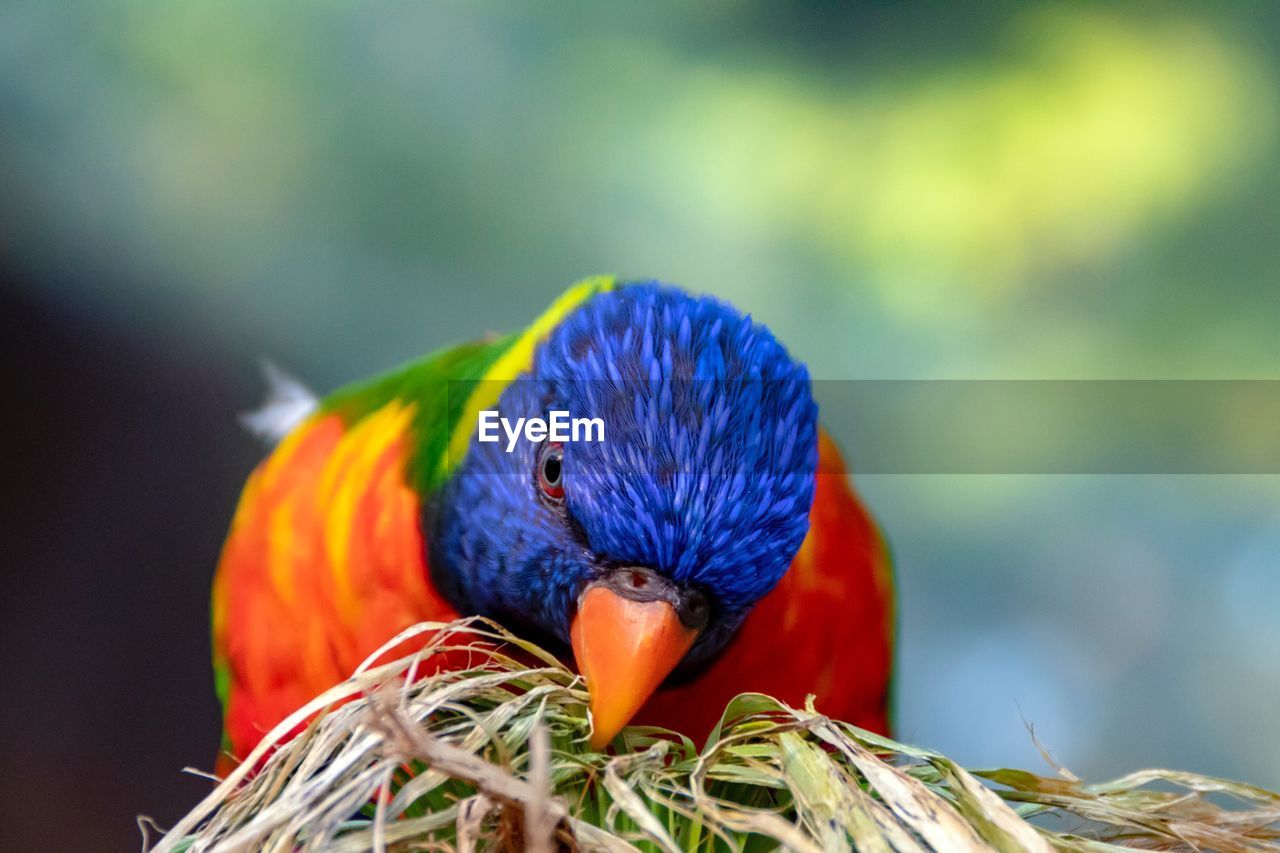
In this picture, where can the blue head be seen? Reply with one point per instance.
(690, 508)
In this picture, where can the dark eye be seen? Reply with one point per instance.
(550, 465)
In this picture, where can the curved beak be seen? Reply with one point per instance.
(624, 648)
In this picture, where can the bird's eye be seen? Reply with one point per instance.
(550, 465)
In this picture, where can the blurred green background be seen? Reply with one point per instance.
(986, 190)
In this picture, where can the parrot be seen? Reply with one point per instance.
(707, 543)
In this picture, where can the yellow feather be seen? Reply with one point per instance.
(515, 361)
(346, 479)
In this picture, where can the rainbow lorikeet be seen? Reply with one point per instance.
(707, 544)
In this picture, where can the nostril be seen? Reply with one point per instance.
(639, 580)
(694, 610)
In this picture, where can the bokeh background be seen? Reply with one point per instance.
(980, 190)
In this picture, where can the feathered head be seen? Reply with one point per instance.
(647, 546)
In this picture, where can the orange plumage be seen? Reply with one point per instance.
(324, 563)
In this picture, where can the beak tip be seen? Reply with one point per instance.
(603, 731)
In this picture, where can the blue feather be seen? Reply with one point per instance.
(705, 475)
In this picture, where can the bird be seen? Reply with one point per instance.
(706, 541)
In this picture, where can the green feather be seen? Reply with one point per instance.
(443, 387)
(438, 385)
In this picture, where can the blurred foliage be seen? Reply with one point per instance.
(1086, 132)
(986, 190)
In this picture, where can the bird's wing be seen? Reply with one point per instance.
(325, 561)
(326, 558)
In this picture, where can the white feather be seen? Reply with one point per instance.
(288, 404)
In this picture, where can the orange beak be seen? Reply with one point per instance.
(624, 649)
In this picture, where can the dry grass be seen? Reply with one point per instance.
(496, 757)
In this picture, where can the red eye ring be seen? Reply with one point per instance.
(551, 470)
